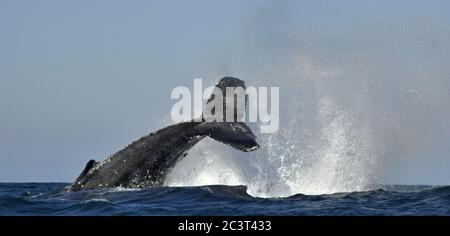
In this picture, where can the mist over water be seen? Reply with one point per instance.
(362, 102)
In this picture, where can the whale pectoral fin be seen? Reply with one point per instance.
(235, 134)
(89, 165)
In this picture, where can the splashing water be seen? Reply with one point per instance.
(334, 137)
(361, 103)
(310, 155)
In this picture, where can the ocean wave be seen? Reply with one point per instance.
(53, 199)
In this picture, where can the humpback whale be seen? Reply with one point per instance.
(146, 161)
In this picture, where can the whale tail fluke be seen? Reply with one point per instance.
(231, 132)
(235, 134)
(231, 106)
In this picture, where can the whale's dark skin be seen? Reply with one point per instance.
(146, 162)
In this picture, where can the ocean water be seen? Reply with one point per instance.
(54, 199)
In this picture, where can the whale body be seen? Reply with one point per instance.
(147, 161)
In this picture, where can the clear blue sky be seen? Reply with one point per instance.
(81, 79)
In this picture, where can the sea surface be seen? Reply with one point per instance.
(54, 199)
